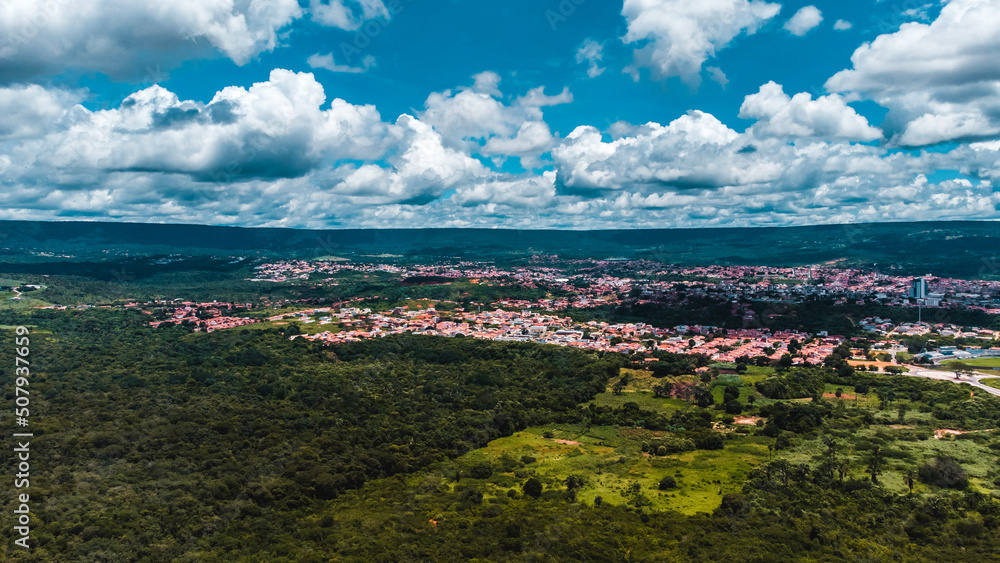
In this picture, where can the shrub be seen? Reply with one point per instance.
(473, 496)
(668, 483)
(733, 505)
(730, 393)
(795, 417)
(943, 472)
(710, 442)
(482, 470)
(673, 445)
(533, 488)
(782, 442)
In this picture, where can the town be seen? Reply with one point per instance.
(579, 285)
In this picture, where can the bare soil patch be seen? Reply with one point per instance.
(567, 442)
(942, 432)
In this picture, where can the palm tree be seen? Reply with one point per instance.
(842, 467)
(784, 468)
(903, 407)
(909, 478)
(876, 462)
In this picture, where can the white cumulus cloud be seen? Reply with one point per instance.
(591, 52)
(477, 116)
(677, 36)
(804, 20)
(347, 14)
(326, 62)
(940, 81)
(827, 117)
(123, 37)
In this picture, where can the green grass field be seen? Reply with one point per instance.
(645, 400)
(746, 391)
(981, 362)
(610, 459)
(641, 380)
(753, 374)
(984, 363)
(22, 303)
(993, 382)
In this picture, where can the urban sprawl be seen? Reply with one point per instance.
(595, 283)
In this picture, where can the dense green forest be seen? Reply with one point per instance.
(161, 431)
(243, 445)
(950, 248)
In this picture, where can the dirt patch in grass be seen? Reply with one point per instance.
(567, 442)
(747, 419)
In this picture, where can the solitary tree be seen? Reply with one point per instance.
(731, 393)
(909, 478)
(533, 488)
(663, 390)
(876, 463)
(784, 468)
(962, 370)
(901, 410)
(668, 483)
(574, 482)
(842, 468)
(703, 397)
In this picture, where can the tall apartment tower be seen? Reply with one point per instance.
(919, 288)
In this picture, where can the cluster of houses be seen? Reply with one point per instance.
(594, 282)
(532, 326)
(203, 316)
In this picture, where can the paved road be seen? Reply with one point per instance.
(950, 376)
(946, 375)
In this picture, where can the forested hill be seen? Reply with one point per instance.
(949, 248)
(155, 445)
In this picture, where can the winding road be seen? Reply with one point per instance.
(947, 375)
(950, 376)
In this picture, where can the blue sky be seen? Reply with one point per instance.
(560, 114)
